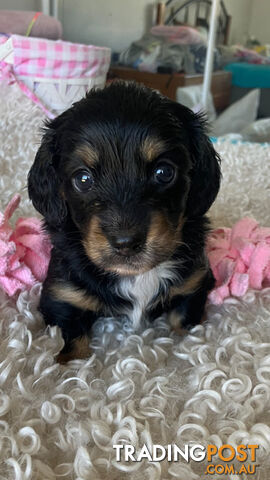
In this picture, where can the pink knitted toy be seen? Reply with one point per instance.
(239, 258)
(24, 251)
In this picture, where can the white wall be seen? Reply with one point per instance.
(116, 23)
(19, 5)
(260, 20)
(240, 11)
(113, 23)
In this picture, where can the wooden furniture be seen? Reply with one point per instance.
(168, 83)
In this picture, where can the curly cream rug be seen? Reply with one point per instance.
(138, 388)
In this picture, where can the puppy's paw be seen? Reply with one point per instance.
(80, 349)
(176, 320)
(179, 324)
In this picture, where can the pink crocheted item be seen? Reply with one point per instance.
(24, 251)
(239, 258)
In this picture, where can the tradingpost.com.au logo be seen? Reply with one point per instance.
(244, 455)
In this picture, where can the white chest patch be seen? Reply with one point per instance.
(141, 289)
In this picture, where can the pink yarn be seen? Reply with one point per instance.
(239, 258)
(24, 251)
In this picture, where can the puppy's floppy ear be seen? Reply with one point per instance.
(205, 172)
(44, 183)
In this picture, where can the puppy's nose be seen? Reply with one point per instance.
(127, 244)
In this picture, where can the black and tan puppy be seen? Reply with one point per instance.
(124, 179)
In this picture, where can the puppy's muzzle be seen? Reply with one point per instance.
(127, 244)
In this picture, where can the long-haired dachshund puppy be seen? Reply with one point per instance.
(124, 179)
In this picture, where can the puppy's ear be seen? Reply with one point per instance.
(44, 184)
(205, 172)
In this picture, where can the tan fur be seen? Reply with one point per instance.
(87, 154)
(99, 251)
(77, 297)
(190, 285)
(161, 235)
(175, 320)
(96, 244)
(151, 148)
(204, 318)
(161, 242)
(180, 225)
(127, 271)
(80, 349)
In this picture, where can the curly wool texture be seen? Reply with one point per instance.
(151, 386)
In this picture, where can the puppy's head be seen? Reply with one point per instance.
(127, 167)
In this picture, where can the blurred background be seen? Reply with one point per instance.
(164, 45)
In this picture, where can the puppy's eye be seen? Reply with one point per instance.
(82, 180)
(164, 173)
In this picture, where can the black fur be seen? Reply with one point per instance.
(115, 122)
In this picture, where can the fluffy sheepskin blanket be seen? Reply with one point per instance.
(147, 387)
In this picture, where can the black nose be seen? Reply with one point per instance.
(127, 244)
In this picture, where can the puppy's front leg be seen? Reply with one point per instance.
(188, 301)
(62, 306)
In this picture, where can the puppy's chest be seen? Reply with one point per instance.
(144, 290)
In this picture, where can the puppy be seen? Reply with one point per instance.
(124, 179)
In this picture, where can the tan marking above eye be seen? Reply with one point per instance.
(88, 154)
(151, 148)
(77, 297)
(190, 285)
